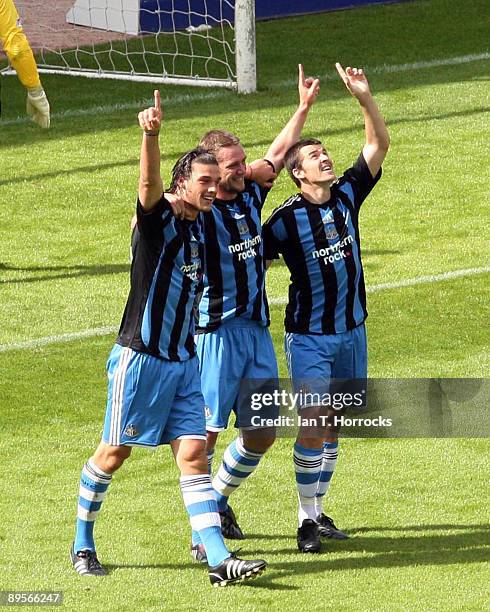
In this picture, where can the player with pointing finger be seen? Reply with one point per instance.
(154, 391)
(317, 233)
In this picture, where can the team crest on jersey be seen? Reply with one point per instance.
(131, 431)
(194, 250)
(242, 227)
(330, 232)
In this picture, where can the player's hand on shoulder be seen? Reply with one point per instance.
(263, 173)
(308, 87)
(150, 119)
(355, 80)
(177, 204)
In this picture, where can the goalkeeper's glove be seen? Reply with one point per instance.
(38, 106)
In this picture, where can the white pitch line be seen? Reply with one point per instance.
(408, 282)
(180, 99)
(61, 339)
(104, 331)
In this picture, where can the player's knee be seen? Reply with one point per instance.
(258, 441)
(192, 457)
(111, 458)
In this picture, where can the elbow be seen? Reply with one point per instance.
(146, 184)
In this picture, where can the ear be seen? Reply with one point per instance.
(181, 185)
(298, 172)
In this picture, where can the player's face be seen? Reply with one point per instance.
(231, 162)
(201, 187)
(316, 165)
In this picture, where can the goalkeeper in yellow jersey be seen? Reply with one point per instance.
(20, 56)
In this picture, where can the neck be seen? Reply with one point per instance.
(190, 213)
(226, 195)
(316, 194)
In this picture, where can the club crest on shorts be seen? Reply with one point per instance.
(207, 412)
(131, 431)
(242, 227)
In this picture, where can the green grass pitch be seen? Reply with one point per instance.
(417, 509)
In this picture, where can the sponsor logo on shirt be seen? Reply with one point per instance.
(246, 248)
(334, 252)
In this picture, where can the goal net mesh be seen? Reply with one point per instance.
(188, 41)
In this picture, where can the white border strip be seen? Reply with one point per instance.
(281, 301)
(408, 282)
(178, 100)
(61, 339)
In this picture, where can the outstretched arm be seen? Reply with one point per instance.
(19, 53)
(377, 137)
(150, 184)
(308, 90)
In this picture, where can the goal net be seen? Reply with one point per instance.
(190, 42)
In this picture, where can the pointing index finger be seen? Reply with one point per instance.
(157, 99)
(301, 73)
(341, 71)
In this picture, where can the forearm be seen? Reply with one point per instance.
(150, 182)
(377, 137)
(374, 125)
(290, 134)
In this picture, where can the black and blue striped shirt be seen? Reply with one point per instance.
(234, 276)
(321, 246)
(165, 272)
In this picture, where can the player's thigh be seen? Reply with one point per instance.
(221, 367)
(260, 379)
(310, 360)
(141, 389)
(186, 418)
(351, 360)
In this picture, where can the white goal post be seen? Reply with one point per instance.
(190, 42)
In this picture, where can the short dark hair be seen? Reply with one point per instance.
(214, 140)
(291, 159)
(183, 166)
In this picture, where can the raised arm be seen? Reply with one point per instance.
(150, 184)
(308, 90)
(377, 137)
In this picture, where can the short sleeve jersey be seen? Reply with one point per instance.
(321, 246)
(165, 272)
(234, 275)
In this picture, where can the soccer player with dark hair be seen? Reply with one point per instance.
(317, 233)
(19, 53)
(234, 342)
(154, 394)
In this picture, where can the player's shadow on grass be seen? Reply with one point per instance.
(470, 545)
(179, 566)
(62, 272)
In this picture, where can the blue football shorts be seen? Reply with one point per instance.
(152, 401)
(236, 357)
(327, 363)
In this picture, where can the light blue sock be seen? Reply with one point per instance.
(200, 503)
(307, 465)
(237, 465)
(93, 487)
(329, 461)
